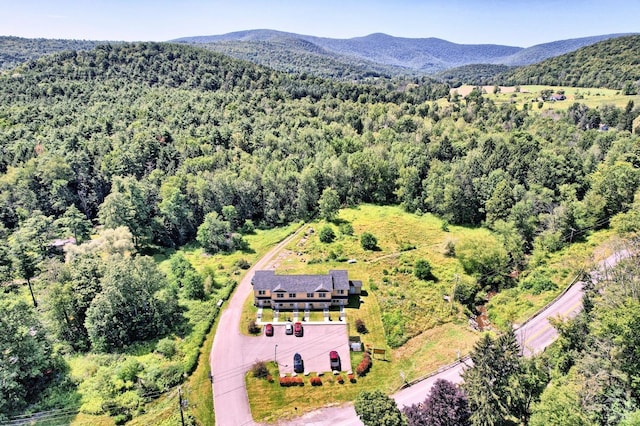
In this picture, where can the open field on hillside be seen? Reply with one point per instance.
(433, 331)
(592, 97)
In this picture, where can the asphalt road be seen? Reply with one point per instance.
(231, 359)
(232, 353)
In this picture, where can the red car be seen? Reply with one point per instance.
(334, 361)
(268, 330)
(297, 329)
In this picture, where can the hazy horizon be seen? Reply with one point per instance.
(519, 23)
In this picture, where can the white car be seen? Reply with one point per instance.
(288, 328)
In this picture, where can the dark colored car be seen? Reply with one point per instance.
(297, 329)
(334, 361)
(268, 330)
(298, 364)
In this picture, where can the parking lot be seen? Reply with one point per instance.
(314, 346)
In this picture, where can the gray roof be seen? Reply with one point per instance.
(268, 280)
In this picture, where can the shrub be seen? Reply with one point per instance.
(269, 378)
(422, 270)
(450, 249)
(361, 327)
(340, 379)
(316, 381)
(346, 229)
(248, 227)
(166, 347)
(538, 283)
(291, 381)
(368, 241)
(364, 366)
(260, 370)
(327, 235)
(242, 264)
(352, 378)
(253, 328)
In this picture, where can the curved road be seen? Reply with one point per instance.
(231, 355)
(230, 359)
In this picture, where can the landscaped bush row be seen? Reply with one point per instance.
(364, 366)
(288, 381)
(291, 381)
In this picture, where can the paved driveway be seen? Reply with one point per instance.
(314, 346)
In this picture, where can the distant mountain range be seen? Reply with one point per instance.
(380, 53)
(348, 59)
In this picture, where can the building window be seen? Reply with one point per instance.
(280, 296)
(322, 295)
(292, 295)
(340, 291)
(261, 292)
(309, 294)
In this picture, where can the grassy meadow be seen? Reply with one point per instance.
(408, 317)
(591, 97)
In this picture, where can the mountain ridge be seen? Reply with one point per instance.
(412, 55)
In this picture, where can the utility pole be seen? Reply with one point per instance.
(275, 354)
(180, 404)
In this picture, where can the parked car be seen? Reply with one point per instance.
(288, 328)
(268, 330)
(298, 364)
(297, 329)
(334, 361)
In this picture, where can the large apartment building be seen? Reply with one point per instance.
(303, 291)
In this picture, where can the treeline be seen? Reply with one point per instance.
(611, 63)
(297, 56)
(154, 137)
(16, 50)
(477, 74)
(170, 144)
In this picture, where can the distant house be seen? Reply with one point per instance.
(58, 244)
(303, 291)
(557, 97)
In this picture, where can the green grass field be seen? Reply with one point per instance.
(397, 303)
(408, 317)
(591, 97)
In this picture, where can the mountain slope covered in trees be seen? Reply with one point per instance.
(403, 55)
(611, 63)
(149, 146)
(16, 50)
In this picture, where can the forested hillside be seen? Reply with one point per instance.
(16, 50)
(477, 75)
(149, 146)
(611, 63)
(301, 56)
(376, 53)
(540, 52)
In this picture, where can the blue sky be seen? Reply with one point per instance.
(511, 22)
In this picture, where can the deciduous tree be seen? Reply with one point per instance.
(377, 409)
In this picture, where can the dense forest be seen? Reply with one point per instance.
(149, 145)
(611, 63)
(16, 50)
